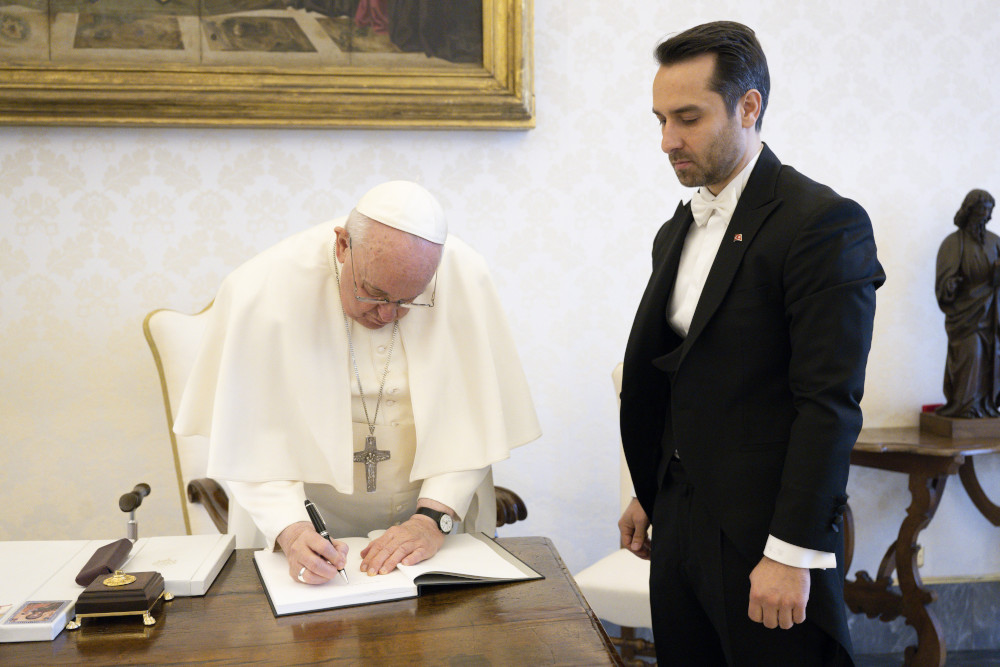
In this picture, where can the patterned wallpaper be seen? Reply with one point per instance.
(888, 103)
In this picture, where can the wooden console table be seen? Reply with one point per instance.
(928, 460)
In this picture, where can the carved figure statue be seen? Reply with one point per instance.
(966, 286)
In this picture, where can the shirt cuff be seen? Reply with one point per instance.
(273, 506)
(454, 489)
(789, 554)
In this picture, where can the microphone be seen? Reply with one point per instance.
(128, 503)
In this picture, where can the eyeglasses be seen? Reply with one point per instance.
(386, 302)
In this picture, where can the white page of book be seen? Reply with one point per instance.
(464, 555)
(289, 596)
(463, 558)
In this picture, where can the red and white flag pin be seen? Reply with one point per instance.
(738, 238)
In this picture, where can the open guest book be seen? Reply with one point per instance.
(467, 558)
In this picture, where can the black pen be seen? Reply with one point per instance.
(320, 527)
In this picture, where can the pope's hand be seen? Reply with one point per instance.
(311, 555)
(778, 594)
(415, 540)
(634, 529)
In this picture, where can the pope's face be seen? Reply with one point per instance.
(704, 140)
(392, 280)
(371, 315)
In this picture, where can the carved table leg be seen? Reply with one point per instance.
(967, 473)
(848, 537)
(925, 491)
(927, 477)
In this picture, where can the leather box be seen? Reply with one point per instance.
(106, 560)
(134, 598)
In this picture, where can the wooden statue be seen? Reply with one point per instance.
(966, 286)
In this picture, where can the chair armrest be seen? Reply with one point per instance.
(510, 506)
(210, 493)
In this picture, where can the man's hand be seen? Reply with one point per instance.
(417, 539)
(634, 529)
(304, 548)
(778, 594)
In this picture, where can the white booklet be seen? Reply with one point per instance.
(188, 563)
(466, 558)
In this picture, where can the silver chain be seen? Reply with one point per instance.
(350, 345)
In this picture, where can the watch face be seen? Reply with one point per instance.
(446, 523)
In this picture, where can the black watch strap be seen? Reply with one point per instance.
(442, 519)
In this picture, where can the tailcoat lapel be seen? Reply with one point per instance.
(644, 406)
(665, 274)
(651, 319)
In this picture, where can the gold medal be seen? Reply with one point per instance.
(119, 578)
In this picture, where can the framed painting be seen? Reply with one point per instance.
(267, 63)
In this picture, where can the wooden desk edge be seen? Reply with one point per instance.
(238, 582)
(594, 621)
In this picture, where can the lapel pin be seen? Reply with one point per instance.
(738, 238)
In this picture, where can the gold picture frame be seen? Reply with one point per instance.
(496, 94)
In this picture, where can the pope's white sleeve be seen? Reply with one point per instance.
(273, 505)
(454, 489)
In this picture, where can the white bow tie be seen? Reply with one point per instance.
(702, 208)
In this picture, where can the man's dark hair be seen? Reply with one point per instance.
(740, 64)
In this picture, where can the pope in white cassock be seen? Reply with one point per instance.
(364, 364)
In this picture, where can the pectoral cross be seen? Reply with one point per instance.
(371, 456)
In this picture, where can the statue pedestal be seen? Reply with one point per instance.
(951, 427)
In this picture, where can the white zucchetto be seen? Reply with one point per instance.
(405, 206)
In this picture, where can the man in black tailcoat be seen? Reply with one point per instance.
(743, 376)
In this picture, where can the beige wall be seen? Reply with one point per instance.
(891, 104)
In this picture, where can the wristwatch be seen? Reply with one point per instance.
(442, 519)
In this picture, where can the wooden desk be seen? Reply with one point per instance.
(542, 622)
(929, 460)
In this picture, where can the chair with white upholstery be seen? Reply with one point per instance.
(174, 339)
(617, 586)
